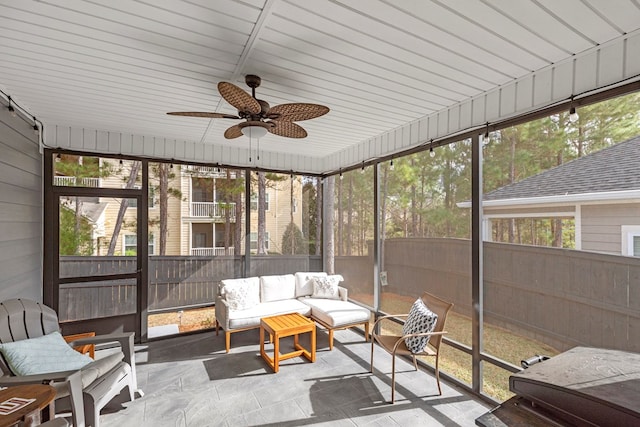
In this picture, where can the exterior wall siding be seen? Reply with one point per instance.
(21, 198)
(602, 226)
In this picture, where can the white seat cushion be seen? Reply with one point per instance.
(336, 313)
(251, 318)
(91, 372)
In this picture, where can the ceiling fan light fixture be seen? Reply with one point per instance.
(253, 129)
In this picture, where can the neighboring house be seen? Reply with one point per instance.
(196, 221)
(600, 192)
(203, 212)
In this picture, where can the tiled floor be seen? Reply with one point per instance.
(191, 381)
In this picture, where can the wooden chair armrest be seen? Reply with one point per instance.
(82, 348)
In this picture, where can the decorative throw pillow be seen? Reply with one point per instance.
(420, 320)
(304, 282)
(326, 287)
(241, 294)
(48, 353)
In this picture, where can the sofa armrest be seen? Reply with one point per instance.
(343, 293)
(222, 312)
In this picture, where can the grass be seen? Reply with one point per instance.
(498, 342)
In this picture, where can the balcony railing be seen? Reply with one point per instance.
(219, 251)
(72, 181)
(208, 171)
(212, 209)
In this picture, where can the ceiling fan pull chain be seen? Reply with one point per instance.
(249, 149)
(258, 150)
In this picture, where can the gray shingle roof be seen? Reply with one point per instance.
(614, 168)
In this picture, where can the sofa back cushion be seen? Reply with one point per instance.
(276, 288)
(241, 294)
(304, 282)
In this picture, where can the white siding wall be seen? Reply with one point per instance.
(602, 226)
(20, 210)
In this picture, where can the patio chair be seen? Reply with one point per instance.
(396, 344)
(84, 391)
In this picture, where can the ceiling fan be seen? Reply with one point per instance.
(259, 118)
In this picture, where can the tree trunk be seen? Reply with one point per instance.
(294, 249)
(319, 215)
(133, 174)
(163, 185)
(262, 216)
(383, 213)
(349, 233)
(339, 217)
(237, 236)
(77, 225)
(329, 251)
(227, 213)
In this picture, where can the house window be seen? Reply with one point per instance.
(254, 240)
(254, 202)
(199, 240)
(131, 244)
(631, 240)
(152, 199)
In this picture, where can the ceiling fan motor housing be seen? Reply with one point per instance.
(252, 80)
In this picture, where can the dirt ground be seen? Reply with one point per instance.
(187, 320)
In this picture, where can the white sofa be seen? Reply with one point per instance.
(241, 303)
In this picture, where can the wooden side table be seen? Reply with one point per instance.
(30, 414)
(282, 326)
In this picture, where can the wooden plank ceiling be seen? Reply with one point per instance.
(378, 64)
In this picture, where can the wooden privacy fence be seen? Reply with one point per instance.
(561, 297)
(175, 282)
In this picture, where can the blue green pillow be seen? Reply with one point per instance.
(48, 353)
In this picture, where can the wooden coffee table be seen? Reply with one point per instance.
(286, 325)
(30, 414)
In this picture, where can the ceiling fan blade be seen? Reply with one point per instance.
(297, 112)
(233, 132)
(203, 114)
(239, 98)
(288, 129)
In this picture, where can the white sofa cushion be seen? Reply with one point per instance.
(336, 313)
(241, 294)
(251, 318)
(304, 282)
(276, 288)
